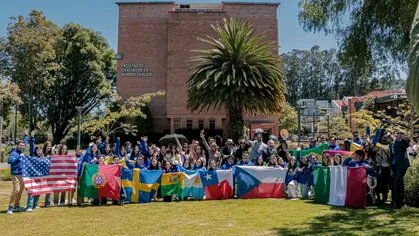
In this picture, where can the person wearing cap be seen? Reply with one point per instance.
(312, 144)
(227, 150)
(258, 146)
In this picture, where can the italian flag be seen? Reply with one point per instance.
(172, 183)
(340, 186)
(100, 181)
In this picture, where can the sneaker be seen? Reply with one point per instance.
(9, 210)
(29, 210)
(19, 209)
(37, 207)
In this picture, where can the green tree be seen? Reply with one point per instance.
(288, 118)
(87, 70)
(377, 32)
(145, 124)
(113, 117)
(362, 118)
(239, 72)
(30, 59)
(338, 126)
(412, 86)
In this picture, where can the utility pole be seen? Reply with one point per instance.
(300, 108)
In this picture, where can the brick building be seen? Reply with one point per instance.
(155, 40)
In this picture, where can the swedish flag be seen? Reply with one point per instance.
(140, 186)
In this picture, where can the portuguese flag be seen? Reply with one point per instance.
(172, 183)
(100, 181)
(340, 186)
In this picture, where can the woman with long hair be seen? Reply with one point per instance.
(63, 151)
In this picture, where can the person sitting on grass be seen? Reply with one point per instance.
(15, 159)
(303, 177)
(291, 180)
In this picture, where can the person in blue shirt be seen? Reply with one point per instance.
(291, 179)
(26, 138)
(15, 160)
(245, 160)
(139, 163)
(281, 163)
(332, 144)
(401, 163)
(356, 138)
(212, 165)
(359, 161)
(312, 144)
(229, 164)
(303, 175)
(198, 165)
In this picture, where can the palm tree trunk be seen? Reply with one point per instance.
(235, 120)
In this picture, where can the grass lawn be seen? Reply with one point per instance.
(231, 217)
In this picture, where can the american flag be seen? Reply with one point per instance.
(48, 175)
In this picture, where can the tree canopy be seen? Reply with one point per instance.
(57, 69)
(238, 71)
(369, 32)
(288, 118)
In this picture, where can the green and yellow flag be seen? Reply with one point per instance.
(172, 183)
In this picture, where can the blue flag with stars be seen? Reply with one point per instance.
(33, 167)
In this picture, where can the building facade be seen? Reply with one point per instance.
(155, 40)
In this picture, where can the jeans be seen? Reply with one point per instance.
(399, 187)
(17, 191)
(32, 202)
(304, 191)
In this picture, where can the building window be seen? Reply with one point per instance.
(189, 124)
(177, 124)
(211, 124)
(201, 124)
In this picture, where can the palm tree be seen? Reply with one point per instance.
(238, 72)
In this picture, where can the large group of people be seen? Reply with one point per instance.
(387, 162)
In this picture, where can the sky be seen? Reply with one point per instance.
(102, 16)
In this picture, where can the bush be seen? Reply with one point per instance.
(411, 182)
(5, 174)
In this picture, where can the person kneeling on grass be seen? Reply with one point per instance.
(291, 180)
(15, 160)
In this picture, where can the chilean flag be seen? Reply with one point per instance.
(218, 184)
(260, 182)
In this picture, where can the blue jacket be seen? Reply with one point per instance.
(370, 171)
(310, 147)
(290, 177)
(358, 141)
(333, 147)
(101, 147)
(132, 166)
(227, 166)
(89, 156)
(304, 176)
(241, 163)
(15, 162)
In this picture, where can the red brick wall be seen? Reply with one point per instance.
(161, 39)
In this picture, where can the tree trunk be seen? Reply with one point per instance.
(59, 133)
(235, 120)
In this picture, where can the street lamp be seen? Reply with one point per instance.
(299, 122)
(78, 124)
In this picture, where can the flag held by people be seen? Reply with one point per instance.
(193, 185)
(140, 185)
(260, 182)
(340, 186)
(218, 184)
(318, 151)
(172, 184)
(48, 175)
(100, 181)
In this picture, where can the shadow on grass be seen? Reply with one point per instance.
(375, 220)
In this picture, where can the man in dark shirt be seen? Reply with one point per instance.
(400, 164)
